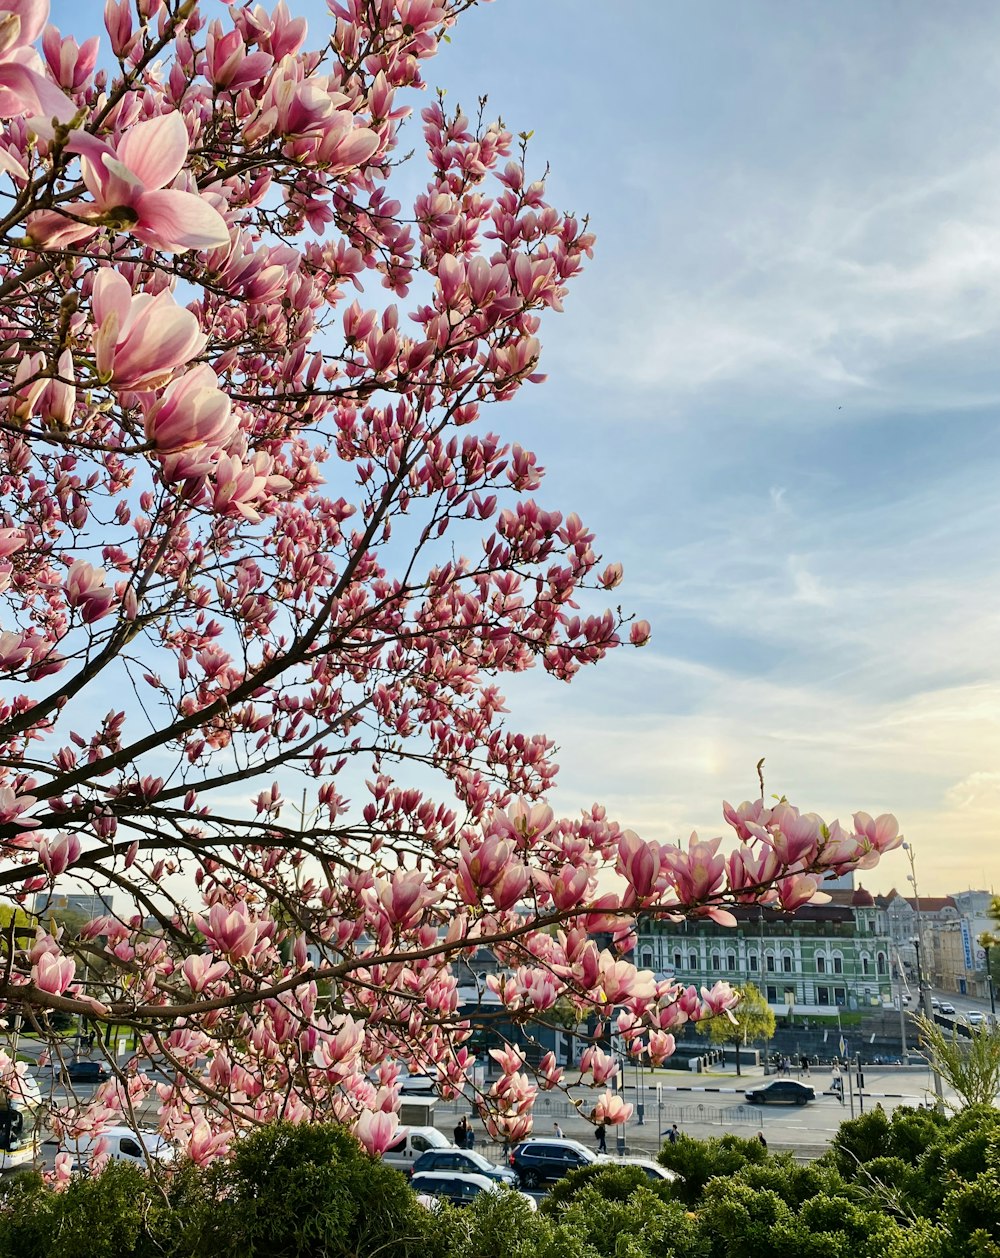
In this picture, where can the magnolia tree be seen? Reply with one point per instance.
(255, 526)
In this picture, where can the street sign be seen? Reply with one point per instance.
(843, 1047)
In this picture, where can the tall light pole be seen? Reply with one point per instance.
(924, 989)
(902, 1011)
(986, 942)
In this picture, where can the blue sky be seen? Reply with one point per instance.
(774, 396)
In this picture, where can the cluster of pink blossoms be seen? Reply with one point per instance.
(257, 534)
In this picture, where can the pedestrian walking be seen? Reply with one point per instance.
(837, 1082)
(673, 1135)
(601, 1132)
(804, 1063)
(470, 1136)
(558, 1130)
(760, 1137)
(461, 1132)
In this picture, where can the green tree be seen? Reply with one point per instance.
(970, 1065)
(754, 1021)
(698, 1161)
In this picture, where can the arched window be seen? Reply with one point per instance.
(678, 960)
(786, 963)
(820, 963)
(716, 963)
(731, 962)
(882, 967)
(693, 961)
(838, 963)
(646, 959)
(866, 965)
(769, 962)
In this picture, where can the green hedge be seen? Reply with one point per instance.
(911, 1186)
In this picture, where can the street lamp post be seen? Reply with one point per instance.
(986, 942)
(924, 990)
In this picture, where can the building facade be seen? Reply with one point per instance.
(816, 961)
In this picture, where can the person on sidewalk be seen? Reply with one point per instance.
(760, 1137)
(601, 1132)
(470, 1136)
(461, 1132)
(673, 1135)
(558, 1131)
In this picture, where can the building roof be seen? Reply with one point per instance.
(863, 899)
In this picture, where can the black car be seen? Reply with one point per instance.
(86, 1072)
(465, 1161)
(782, 1092)
(544, 1161)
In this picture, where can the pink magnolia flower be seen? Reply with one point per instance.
(24, 89)
(232, 933)
(510, 1058)
(59, 853)
(639, 863)
(661, 1046)
(192, 412)
(596, 1062)
(376, 1131)
(52, 973)
(129, 187)
(203, 969)
(204, 1144)
(85, 589)
(611, 1109)
(12, 807)
(882, 832)
(511, 886)
(549, 1073)
(140, 342)
(639, 633)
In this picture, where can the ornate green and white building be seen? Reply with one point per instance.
(814, 961)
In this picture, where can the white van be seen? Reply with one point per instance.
(123, 1144)
(411, 1142)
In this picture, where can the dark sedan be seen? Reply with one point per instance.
(85, 1072)
(782, 1092)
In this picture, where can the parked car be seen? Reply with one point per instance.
(782, 1092)
(411, 1142)
(466, 1162)
(541, 1161)
(122, 1144)
(417, 1085)
(459, 1189)
(975, 1017)
(654, 1170)
(947, 1006)
(85, 1072)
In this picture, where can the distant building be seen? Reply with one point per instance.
(87, 904)
(949, 928)
(821, 958)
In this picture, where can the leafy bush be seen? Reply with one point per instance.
(698, 1161)
(612, 1183)
(310, 1191)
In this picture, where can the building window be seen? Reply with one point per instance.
(840, 995)
(678, 960)
(716, 962)
(770, 963)
(866, 965)
(772, 995)
(692, 961)
(752, 958)
(881, 963)
(786, 963)
(731, 963)
(820, 963)
(838, 965)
